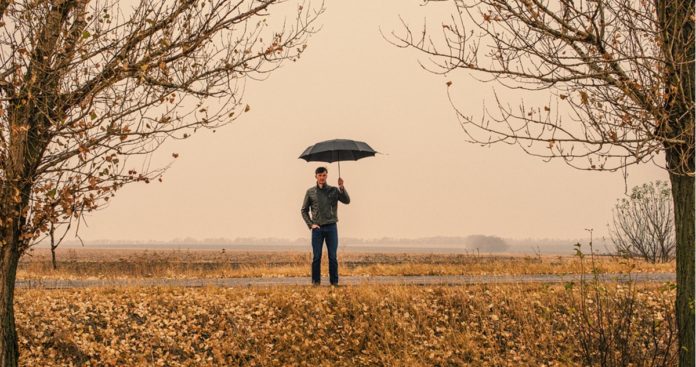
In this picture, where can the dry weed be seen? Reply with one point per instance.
(80, 264)
(501, 325)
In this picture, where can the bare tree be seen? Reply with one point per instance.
(620, 80)
(643, 223)
(86, 86)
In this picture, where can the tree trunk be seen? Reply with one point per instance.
(53, 258)
(683, 194)
(9, 350)
(53, 246)
(675, 18)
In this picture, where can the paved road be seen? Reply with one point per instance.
(346, 280)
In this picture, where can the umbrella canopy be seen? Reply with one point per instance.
(337, 150)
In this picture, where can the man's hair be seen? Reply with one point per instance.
(320, 170)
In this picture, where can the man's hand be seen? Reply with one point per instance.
(315, 226)
(340, 183)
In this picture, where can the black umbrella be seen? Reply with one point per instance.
(337, 150)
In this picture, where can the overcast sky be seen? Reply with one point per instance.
(245, 180)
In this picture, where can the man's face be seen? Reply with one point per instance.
(321, 178)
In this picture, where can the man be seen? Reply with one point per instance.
(322, 200)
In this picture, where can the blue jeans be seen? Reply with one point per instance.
(328, 233)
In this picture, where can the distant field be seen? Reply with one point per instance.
(508, 325)
(136, 263)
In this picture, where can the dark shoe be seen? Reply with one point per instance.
(316, 284)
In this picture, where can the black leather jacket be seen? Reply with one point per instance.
(323, 204)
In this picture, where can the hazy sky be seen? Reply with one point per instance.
(245, 180)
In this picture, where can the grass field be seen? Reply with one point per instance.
(510, 325)
(587, 323)
(86, 263)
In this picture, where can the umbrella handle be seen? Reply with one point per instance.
(339, 169)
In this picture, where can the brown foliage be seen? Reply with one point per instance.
(87, 87)
(89, 90)
(295, 326)
(621, 73)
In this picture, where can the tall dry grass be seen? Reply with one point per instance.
(501, 325)
(76, 263)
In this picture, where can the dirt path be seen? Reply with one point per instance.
(346, 280)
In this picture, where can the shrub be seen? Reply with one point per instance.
(643, 223)
(612, 330)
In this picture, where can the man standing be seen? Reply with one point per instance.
(322, 201)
